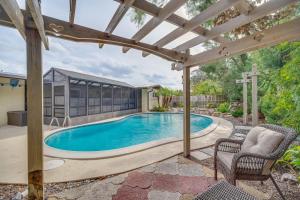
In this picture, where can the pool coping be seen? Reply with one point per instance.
(90, 155)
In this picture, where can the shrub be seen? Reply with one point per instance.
(158, 109)
(180, 105)
(223, 107)
(238, 112)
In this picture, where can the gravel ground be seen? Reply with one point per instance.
(8, 192)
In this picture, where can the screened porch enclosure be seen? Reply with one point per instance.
(76, 95)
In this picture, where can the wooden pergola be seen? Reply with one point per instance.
(34, 27)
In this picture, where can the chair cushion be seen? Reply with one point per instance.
(226, 158)
(261, 140)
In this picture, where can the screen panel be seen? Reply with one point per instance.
(78, 98)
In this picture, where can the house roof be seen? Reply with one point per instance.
(88, 77)
(12, 75)
(150, 86)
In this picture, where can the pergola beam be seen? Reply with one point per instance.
(72, 11)
(288, 31)
(62, 29)
(174, 19)
(204, 16)
(236, 22)
(36, 14)
(117, 17)
(14, 12)
(164, 13)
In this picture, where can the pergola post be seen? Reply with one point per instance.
(254, 96)
(34, 112)
(186, 112)
(245, 103)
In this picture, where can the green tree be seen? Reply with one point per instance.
(207, 87)
(280, 87)
(167, 95)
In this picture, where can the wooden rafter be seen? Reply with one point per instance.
(35, 11)
(37, 29)
(72, 11)
(153, 10)
(236, 22)
(207, 14)
(164, 13)
(119, 14)
(13, 11)
(289, 31)
(77, 33)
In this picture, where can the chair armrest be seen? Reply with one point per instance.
(228, 145)
(249, 163)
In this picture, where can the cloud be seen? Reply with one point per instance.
(107, 62)
(154, 78)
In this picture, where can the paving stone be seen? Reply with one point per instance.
(73, 193)
(165, 183)
(194, 185)
(149, 168)
(163, 195)
(167, 168)
(109, 189)
(128, 193)
(170, 160)
(187, 197)
(183, 160)
(117, 180)
(181, 184)
(100, 191)
(95, 190)
(199, 155)
(139, 179)
(209, 151)
(190, 170)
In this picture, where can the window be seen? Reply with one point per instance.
(132, 99)
(59, 95)
(125, 98)
(139, 99)
(106, 98)
(94, 96)
(117, 98)
(78, 98)
(59, 101)
(47, 90)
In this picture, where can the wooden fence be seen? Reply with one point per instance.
(203, 101)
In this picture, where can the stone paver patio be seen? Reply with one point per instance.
(176, 178)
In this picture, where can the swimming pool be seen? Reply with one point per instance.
(129, 131)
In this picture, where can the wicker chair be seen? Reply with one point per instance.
(250, 166)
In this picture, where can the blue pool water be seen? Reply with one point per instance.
(133, 130)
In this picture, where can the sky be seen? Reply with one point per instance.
(107, 62)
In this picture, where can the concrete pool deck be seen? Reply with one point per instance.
(13, 156)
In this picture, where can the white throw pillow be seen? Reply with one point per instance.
(261, 140)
